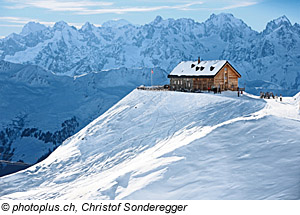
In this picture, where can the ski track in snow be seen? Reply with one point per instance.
(116, 174)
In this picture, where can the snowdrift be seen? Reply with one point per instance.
(172, 145)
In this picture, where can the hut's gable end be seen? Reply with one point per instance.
(227, 77)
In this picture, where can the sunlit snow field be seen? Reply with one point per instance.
(172, 145)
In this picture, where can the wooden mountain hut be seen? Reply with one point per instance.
(204, 75)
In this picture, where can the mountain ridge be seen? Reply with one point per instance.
(271, 55)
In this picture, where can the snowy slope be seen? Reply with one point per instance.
(172, 145)
(39, 110)
(270, 56)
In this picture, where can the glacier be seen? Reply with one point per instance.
(174, 145)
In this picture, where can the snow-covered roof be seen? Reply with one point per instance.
(204, 68)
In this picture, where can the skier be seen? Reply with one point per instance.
(280, 98)
(238, 89)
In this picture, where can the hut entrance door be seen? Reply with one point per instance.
(226, 80)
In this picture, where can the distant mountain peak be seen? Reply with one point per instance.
(226, 15)
(157, 19)
(222, 18)
(31, 27)
(60, 25)
(277, 23)
(226, 25)
(282, 19)
(87, 26)
(115, 23)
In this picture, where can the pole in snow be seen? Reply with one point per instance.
(151, 76)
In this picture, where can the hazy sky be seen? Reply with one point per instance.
(256, 13)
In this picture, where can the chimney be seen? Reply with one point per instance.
(198, 60)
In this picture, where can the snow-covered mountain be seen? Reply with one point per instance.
(173, 145)
(32, 27)
(115, 23)
(39, 109)
(271, 56)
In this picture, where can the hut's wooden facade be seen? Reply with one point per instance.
(204, 75)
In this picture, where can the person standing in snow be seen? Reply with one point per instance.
(238, 89)
(280, 97)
